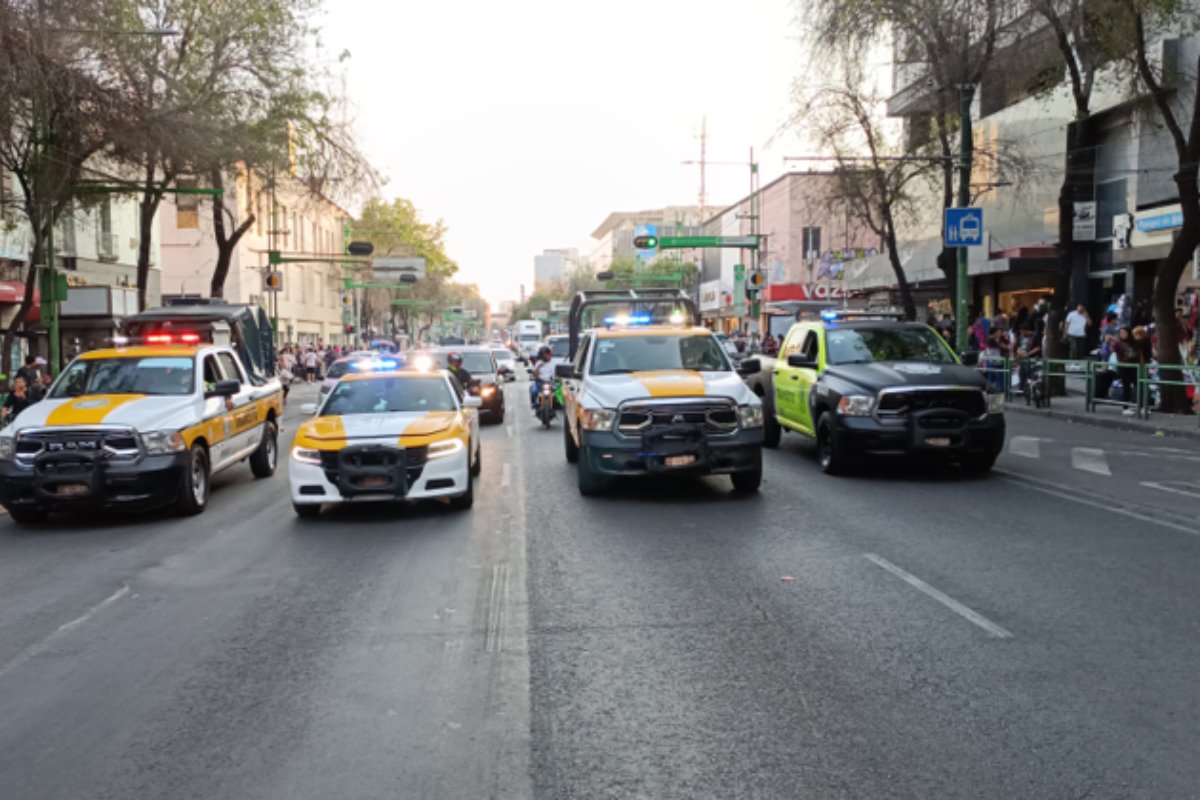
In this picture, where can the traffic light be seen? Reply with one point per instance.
(645, 242)
(349, 328)
(757, 279)
(347, 300)
(273, 281)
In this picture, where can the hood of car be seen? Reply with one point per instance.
(405, 429)
(143, 412)
(610, 391)
(887, 374)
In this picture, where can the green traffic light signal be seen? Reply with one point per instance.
(645, 242)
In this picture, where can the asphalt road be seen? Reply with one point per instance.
(895, 633)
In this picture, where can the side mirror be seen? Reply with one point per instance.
(224, 389)
(749, 366)
(801, 361)
(309, 408)
(564, 371)
(472, 401)
(970, 358)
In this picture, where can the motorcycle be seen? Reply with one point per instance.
(545, 408)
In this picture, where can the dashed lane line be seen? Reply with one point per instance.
(1090, 459)
(1025, 446)
(36, 649)
(949, 602)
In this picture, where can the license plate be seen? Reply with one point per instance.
(938, 441)
(679, 461)
(72, 489)
(373, 481)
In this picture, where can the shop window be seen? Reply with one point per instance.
(1111, 200)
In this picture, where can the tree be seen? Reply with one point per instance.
(1179, 112)
(56, 112)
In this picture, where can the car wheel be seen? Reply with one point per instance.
(569, 447)
(979, 463)
(591, 481)
(464, 501)
(772, 433)
(829, 453)
(306, 510)
(27, 516)
(749, 480)
(263, 462)
(193, 493)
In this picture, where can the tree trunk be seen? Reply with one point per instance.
(889, 236)
(10, 333)
(947, 262)
(147, 210)
(1166, 286)
(226, 243)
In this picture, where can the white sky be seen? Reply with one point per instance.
(523, 124)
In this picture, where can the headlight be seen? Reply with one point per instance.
(159, 443)
(487, 391)
(856, 405)
(995, 403)
(750, 416)
(597, 419)
(8, 448)
(443, 449)
(306, 455)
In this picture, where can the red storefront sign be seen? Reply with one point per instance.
(13, 292)
(804, 292)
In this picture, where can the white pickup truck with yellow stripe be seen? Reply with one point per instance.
(138, 427)
(647, 400)
(387, 436)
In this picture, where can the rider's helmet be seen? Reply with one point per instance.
(454, 359)
(544, 351)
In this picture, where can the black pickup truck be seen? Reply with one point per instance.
(870, 387)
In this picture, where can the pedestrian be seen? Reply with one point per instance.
(17, 401)
(41, 389)
(1029, 347)
(30, 370)
(1077, 324)
(310, 364)
(1127, 370)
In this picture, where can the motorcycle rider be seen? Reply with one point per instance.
(454, 363)
(540, 371)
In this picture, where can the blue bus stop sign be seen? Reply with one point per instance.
(964, 227)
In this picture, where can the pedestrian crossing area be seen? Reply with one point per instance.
(1166, 469)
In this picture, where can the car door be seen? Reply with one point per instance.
(573, 386)
(245, 421)
(786, 379)
(216, 424)
(811, 348)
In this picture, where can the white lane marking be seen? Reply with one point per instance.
(1039, 485)
(1090, 459)
(506, 475)
(497, 601)
(1026, 446)
(36, 649)
(941, 597)
(1164, 486)
(509, 431)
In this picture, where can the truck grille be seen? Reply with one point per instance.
(414, 463)
(900, 404)
(714, 419)
(115, 445)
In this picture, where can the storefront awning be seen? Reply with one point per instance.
(14, 292)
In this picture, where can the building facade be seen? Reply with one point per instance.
(552, 267)
(309, 306)
(614, 237)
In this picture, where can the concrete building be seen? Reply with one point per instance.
(614, 236)
(1126, 207)
(553, 266)
(95, 246)
(309, 306)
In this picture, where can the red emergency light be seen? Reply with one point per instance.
(166, 338)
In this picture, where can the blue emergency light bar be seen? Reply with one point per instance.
(629, 319)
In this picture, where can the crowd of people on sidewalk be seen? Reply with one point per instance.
(307, 363)
(30, 385)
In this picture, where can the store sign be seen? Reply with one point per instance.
(710, 296)
(1159, 221)
(804, 292)
(1084, 228)
(1146, 228)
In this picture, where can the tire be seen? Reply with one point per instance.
(477, 467)
(748, 481)
(570, 449)
(464, 501)
(266, 457)
(194, 487)
(591, 482)
(829, 453)
(306, 510)
(27, 516)
(772, 432)
(979, 463)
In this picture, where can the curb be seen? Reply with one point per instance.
(1127, 425)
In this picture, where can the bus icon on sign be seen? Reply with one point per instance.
(964, 227)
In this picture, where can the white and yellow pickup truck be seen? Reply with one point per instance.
(387, 435)
(656, 399)
(137, 427)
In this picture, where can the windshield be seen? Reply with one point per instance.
(643, 353)
(560, 347)
(473, 362)
(502, 355)
(867, 345)
(162, 376)
(530, 337)
(388, 395)
(338, 368)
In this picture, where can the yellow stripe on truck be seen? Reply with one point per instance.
(671, 383)
(89, 410)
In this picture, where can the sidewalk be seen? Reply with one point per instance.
(1072, 409)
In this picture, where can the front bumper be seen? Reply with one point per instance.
(82, 483)
(611, 454)
(440, 477)
(935, 435)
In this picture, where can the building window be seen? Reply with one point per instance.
(187, 207)
(68, 230)
(300, 223)
(280, 218)
(106, 245)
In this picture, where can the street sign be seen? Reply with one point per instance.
(560, 306)
(273, 281)
(964, 227)
(399, 266)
